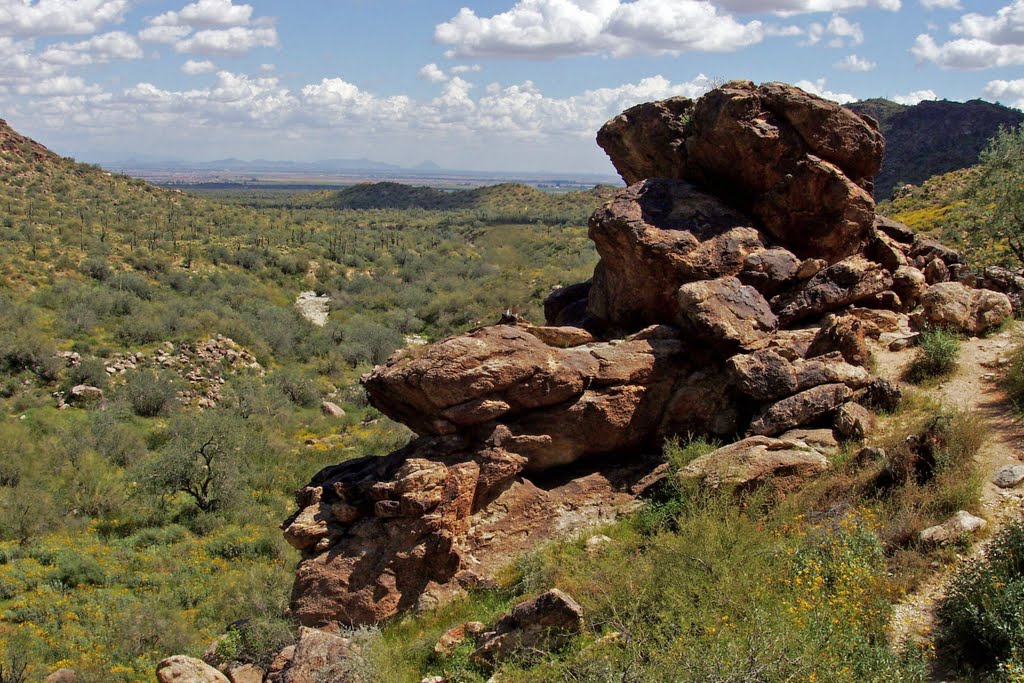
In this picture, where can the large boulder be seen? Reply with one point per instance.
(727, 313)
(953, 306)
(321, 656)
(756, 459)
(800, 409)
(643, 141)
(766, 375)
(656, 236)
(800, 164)
(850, 281)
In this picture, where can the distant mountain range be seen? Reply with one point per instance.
(263, 165)
(932, 137)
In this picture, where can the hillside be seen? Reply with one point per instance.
(932, 137)
(142, 294)
(507, 198)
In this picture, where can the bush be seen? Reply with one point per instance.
(90, 371)
(937, 355)
(96, 268)
(298, 387)
(151, 392)
(982, 615)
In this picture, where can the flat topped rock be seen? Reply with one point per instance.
(756, 459)
(1009, 476)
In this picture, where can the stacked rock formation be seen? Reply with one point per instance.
(740, 272)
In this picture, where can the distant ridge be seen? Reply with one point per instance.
(932, 137)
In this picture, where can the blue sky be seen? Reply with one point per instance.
(490, 85)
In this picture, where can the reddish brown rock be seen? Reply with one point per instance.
(801, 409)
(845, 334)
(802, 165)
(727, 313)
(854, 421)
(662, 233)
(643, 141)
(542, 624)
(842, 284)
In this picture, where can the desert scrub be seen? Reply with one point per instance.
(982, 615)
(937, 354)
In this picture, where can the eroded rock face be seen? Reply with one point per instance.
(663, 233)
(182, 669)
(802, 165)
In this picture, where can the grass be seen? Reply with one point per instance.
(937, 354)
(701, 585)
(982, 615)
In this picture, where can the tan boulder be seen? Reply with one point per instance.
(766, 375)
(321, 656)
(756, 459)
(953, 306)
(182, 669)
(725, 312)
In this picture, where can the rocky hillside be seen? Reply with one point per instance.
(740, 273)
(932, 137)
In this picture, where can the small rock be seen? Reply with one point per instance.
(595, 544)
(1009, 476)
(543, 623)
(953, 529)
(854, 421)
(62, 676)
(332, 409)
(244, 673)
(902, 343)
(455, 636)
(182, 669)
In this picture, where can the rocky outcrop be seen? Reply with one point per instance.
(801, 165)
(742, 273)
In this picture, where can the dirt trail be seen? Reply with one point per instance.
(972, 388)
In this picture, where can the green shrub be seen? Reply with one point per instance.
(90, 371)
(1013, 379)
(96, 268)
(300, 388)
(937, 354)
(982, 615)
(151, 393)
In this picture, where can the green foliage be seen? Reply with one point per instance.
(1013, 378)
(997, 198)
(982, 615)
(937, 355)
(151, 392)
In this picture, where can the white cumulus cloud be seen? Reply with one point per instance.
(941, 4)
(1012, 91)
(545, 29)
(231, 42)
(855, 63)
(58, 86)
(818, 87)
(915, 97)
(433, 73)
(788, 7)
(100, 49)
(50, 17)
(984, 41)
(194, 67)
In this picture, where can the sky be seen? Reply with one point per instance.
(495, 85)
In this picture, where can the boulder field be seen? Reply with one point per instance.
(741, 271)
